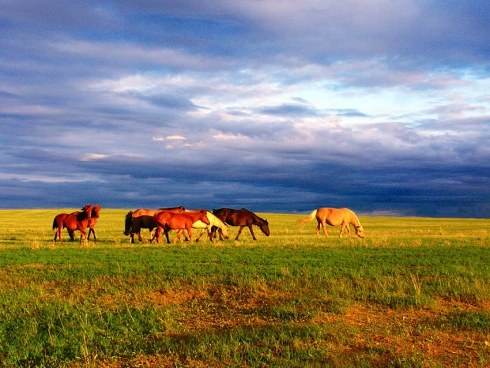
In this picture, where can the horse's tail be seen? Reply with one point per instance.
(309, 218)
(55, 224)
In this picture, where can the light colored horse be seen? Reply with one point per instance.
(335, 217)
(213, 221)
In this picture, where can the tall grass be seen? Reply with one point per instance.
(410, 291)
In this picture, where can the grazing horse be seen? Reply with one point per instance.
(179, 221)
(91, 223)
(242, 218)
(143, 219)
(73, 221)
(213, 222)
(335, 217)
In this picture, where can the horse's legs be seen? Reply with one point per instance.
(57, 234)
(250, 227)
(180, 231)
(60, 232)
(83, 235)
(323, 224)
(91, 231)
(72, 234)
(154, 234)
(239, 232)
(345, 227)
(200, 234)
(189, 233)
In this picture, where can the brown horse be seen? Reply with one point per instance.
(143, 219)
(179, 221)
(335, 217)
(73, 221)
(242, 218)
(91, 223)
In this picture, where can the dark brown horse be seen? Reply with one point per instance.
(143, 219)
(179, 221)
(242, 218)
(91, 223)
(73, 221)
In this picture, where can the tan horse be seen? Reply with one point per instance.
(335, 217)
(213, 222)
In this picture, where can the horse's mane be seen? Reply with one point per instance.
(355, 216)
(256, 217)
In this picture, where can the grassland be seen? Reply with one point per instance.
(414, 293)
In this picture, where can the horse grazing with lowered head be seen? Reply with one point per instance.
(335, 217)
(143, 219)
(242, 218)
(214, 222)
(179, 221)
(73, 221)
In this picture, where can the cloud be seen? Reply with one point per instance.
(380, 106)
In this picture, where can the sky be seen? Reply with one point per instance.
(381, 106)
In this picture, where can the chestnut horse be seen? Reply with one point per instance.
(91, 223)
(143, 219)
(74, 221)
(179, 221)
(213, 222)
(335, 217)
(242, 218)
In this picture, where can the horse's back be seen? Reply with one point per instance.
(58, 220)
(143, 212)
(333, 216)
(178, 220)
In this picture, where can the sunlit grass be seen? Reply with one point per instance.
(409, 291)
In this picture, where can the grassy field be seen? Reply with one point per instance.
(414, 293)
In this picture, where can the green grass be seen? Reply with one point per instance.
(414, 293)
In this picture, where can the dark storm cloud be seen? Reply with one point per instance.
(378, 106)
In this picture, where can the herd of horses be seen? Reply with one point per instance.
(213, 223)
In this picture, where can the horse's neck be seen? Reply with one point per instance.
(81, 216)
(354, 220)
(257, 218)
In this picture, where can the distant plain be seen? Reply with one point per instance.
(414, 293)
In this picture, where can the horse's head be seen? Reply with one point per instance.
(96, 211)
(204, 217)
(264, 226)
(128, 223)
(225, 232)
(359, 231)
(87, 209)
